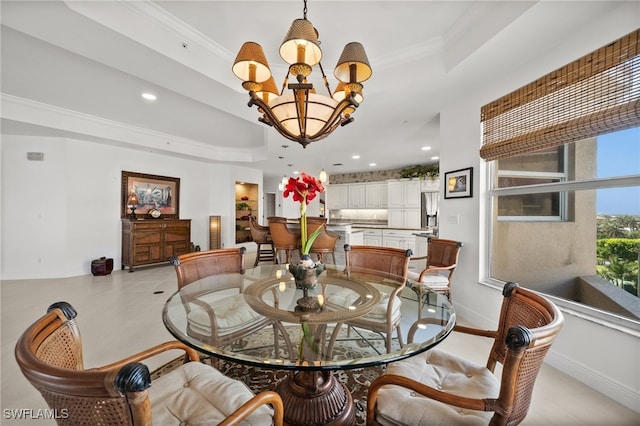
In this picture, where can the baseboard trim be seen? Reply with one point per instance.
(602, 384)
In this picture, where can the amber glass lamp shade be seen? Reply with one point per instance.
(132, 203)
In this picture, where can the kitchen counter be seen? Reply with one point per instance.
(361, 226)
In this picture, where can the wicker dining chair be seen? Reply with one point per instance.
(325, 243)
(261, 235)
(284, 239)
(49, 353)
(194, 266)
(437, 274)
(440, 388)
(226, 320)
(386, 262)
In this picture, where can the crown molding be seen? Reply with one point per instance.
(66, 120)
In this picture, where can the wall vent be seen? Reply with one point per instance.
(35, 156)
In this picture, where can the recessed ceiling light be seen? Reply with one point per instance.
(355, 157)
(426, 148)
(435, 158)
(149, 96)
(372, 164)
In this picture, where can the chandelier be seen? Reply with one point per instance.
(302, 115)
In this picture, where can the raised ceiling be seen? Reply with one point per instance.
(78, 69)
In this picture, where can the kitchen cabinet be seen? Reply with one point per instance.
(356, 238)
(372, 237)
(145, 242)
(376, 195)
(338, 197)
(404, 218)
(399, 239)
(404, 194)
(422, 244)
(357, 195)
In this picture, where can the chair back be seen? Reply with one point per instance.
(387, 260)
(443, 253)
(529, 323)
(283, 237)
(259, 233)
(325, 242)
(49, 354)
(191, 267)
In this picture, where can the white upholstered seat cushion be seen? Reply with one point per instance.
(433, 280)
(198, 394)
(443, 371)
(345, 298)
(231, 313)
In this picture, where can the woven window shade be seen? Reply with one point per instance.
(596, 94)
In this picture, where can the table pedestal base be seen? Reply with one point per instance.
(315, 398)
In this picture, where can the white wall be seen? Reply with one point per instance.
(60, 213)
(599, 355)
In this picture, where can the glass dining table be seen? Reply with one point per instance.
(310, 342)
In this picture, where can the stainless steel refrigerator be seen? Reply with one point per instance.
(429, 216)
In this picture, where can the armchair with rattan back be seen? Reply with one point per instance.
(50, 355)
(460, 391)
(388, 268)
(440, 265)
(229, 319)
(191, 267)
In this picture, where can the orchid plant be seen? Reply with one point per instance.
(304, 190)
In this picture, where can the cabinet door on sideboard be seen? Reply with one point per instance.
(177, 236)
(146, 242)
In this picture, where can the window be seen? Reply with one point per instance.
(560, 254)
(542, 167)
(565, 186)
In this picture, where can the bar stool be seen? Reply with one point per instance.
(262, 237)
(325, 243)
(283, 238)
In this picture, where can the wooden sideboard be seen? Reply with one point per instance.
(149, 241)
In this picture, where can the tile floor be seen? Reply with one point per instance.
(120, 314)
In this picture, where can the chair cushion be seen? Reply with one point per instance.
(232, 314)
(434, 280)
(198, 394)
(345, 298)
(443, 371)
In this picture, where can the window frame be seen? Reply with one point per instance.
(605, 318)
(562, 176)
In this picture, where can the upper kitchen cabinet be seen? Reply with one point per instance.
(357, 195)
(404, 194)
(376, 195)
(337, 197)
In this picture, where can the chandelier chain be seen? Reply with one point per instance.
(304, 10)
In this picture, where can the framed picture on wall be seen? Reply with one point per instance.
(459, 183)
(154, 193)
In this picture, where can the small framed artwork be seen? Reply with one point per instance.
(156, 195)
(459, 183)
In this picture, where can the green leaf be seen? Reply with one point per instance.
(307, 244)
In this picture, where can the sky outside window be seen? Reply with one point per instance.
(619, 155)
